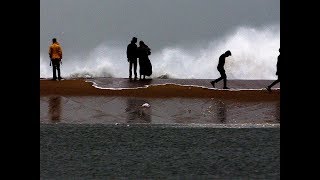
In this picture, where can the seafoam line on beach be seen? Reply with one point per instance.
(201, 125)
(94, 84)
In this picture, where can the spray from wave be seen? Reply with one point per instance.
(254, 56)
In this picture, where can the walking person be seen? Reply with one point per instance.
(221, 70)
(55, 54)
(132, 58)
(277, 73)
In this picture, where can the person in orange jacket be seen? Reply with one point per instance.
(55, 54)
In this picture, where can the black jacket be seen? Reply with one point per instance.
(222, 60)
(132, 51)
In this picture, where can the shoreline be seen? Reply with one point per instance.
(79, 87)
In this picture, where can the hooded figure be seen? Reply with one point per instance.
(144, 62)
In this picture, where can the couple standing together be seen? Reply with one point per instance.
(142, 52)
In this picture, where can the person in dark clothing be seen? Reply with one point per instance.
(221, 70)
(277, 73)
(144, 62)
(132, 57)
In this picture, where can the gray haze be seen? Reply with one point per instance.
(82, 25)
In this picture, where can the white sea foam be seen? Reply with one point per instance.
(254, 56)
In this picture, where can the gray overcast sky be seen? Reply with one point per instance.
(84, 24)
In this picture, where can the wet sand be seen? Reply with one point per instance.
(177, 110)
(62, 101)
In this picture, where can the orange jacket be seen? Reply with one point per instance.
(55, 51)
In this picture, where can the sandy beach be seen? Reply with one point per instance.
(79, 87)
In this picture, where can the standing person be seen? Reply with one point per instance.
(277, 73)
(55, 54)
(132, 57)
(144, 61)
(221, 70)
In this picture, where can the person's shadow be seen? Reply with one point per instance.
(278, 112)
(136, 113)
(55, 108)
(221, 112)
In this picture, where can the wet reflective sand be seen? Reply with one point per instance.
(128, 110)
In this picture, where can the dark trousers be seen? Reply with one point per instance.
(133, 63)
(275, 82)
(223, 76)
(56, 67)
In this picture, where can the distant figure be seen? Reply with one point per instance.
(55, 54)
(221, 70)
(277, 73)
(132, 57)
(144, 61)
